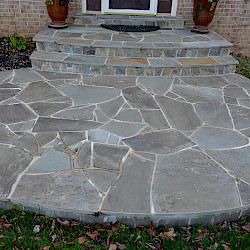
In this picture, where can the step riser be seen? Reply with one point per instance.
(132, 52)
(132, 71)
(93, 22)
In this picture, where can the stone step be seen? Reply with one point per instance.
(97, 41)
(100, 65)
(98, 19)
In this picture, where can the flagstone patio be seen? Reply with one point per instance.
(172, 150)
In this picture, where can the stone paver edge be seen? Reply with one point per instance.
(132, 219)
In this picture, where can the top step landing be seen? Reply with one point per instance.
(90, 20)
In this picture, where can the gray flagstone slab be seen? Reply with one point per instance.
(110, 108)
(8, 93)
(237, 161)
(28, 142)
(85, 113)
(58, 76)
(102, 179)
(244, 190)
(5, 75)
(22, 126)
(44, 138)
(155, 119)
(70, 138)
(244, 102)
(180, 115)
(38, 91)
(130, 115)
(182, 184)
(198, 94)
(131, 193)
(207, 81)
(89, 94)
(118, 82)
(6, 135)
(156, 85)
(240, 115)
(13, 162)
(47, 109)
(51, 161)
(123, 129)
(138, 98)
(45, 124)
(218, 138)
(25, 76)
(15, 113)
(214, 114)
(66, 190)
(163, 142)
(83, 157)
(108, 156)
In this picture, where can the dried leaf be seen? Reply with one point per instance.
(81, 239)
(120, 246)
(37, 238)
(93, 235)
(7, 225)
(151, 229)
(64, 223)
(53, 225)
(112, 247)
(247, 228)
(19, 230)
(46, 248)
(170, 234)
(2, 236)
(226, 247)
(149, 245)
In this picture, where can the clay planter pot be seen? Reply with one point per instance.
(58, 13)
(203, 14)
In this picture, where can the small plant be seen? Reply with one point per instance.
(213, 4)
(17, 42)
(51, 2)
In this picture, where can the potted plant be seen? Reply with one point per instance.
(58, 12)
(203, 14)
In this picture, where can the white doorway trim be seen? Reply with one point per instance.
(173, 9)
(152, 9)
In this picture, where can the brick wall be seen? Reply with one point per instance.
(232, 18)
(26, 17)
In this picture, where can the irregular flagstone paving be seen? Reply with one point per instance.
(120, 146)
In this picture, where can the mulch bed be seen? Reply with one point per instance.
(14, 60)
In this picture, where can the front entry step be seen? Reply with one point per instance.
(98, 19)
(96, 41)
(98, 65)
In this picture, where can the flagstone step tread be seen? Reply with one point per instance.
(171, 150)
(163, 43)
(133, 62)
(98, 65)
(97, 19)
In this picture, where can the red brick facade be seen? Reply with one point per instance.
(232, 18)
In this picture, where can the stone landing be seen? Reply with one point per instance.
(172, 150)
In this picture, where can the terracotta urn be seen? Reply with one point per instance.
(58, 12)
(203, 14)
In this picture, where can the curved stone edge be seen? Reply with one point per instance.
(130, 219)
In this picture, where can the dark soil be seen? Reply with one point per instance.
(14, 60)
(130, 28)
